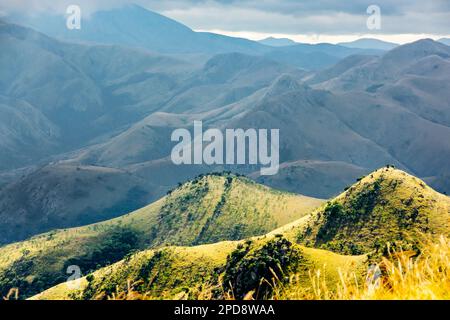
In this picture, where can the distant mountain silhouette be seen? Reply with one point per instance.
(367, 43)
(277, 42)
(134, 26)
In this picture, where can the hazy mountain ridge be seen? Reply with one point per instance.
(135, 26)
(358, 115)
(387, 68)
(401, 84)
(61, 196)
(26, 134)
(277, 42)
(324, 178)
(89, 103)
(367, 43)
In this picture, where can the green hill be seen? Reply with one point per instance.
(388, 206)
(205, 210)
(222, 270)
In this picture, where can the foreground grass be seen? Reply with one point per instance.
(401, 276)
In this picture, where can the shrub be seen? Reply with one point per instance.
(250, 270)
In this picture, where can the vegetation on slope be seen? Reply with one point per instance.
(386, 211)
(387, 206)
(208, 209)
(224, 270)
(399, 276)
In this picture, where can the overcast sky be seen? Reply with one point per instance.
(301, 20)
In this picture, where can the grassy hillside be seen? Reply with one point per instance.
(386, 207)
(208, 209)
(225, 270)
(399, 276)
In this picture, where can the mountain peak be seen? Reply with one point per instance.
(282, 84)
(426, 43)
(277, 42)
(417, 50)
(134, 26)
(369, 43)
(386, 206)
(142, 16)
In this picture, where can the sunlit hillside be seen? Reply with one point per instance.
(386, 212)
(205, 210)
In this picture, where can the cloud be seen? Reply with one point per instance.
(34, 7)
(318, 16)
(290, 17)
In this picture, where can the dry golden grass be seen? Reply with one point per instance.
(13, 294)
(399, 277)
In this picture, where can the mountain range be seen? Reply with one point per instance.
(87, 180)
(367, 43)
(277, 42)
(87, 116)
(362, 43)
(132, 26)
